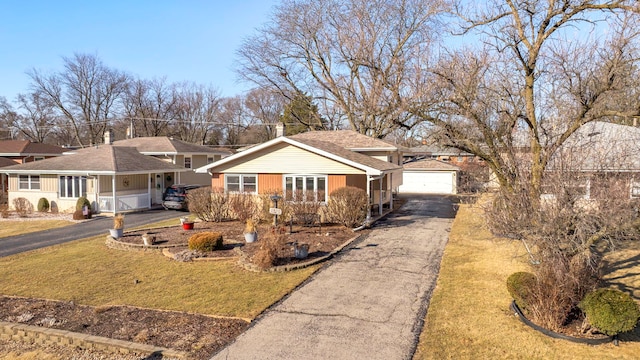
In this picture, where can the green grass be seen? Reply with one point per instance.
(469, 316)
(87, 272)
(12, 228)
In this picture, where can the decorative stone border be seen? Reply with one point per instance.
(244, 262)
(47, 336)
(113, 243)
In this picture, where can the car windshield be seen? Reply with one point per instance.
(173, 191)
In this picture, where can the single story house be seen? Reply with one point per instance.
(112, 178)
(429, 176)
(308, 163)
(187, 155)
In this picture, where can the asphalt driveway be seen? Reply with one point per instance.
(369, 303)
(99, 225)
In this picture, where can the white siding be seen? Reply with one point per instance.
(287, 159)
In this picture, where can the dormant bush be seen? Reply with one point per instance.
(244, 206)
(211, 205)
(206, 241)
(22, 206)
(347, 206)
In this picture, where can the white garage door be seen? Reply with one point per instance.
(428, 182)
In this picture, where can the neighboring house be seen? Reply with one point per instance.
(429, 176)
(442, 153)
(187, 155)
(112, 178)
(21, 151)
(599, 160)
(316, 161)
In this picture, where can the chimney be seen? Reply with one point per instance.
(280, 129)
(108, 137)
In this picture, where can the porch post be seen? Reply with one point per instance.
(369, 197)
(380, 205)
(113, 192)
(390, 187)
(149, 179)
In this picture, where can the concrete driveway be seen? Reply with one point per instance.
(369, 303)
(100, 225)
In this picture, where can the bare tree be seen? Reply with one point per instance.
(195, 112)
(359, 55)
(38, 120)
(533, 81)
(233, 120)
(8, 119)
(150, 106)
(86, 94)
(264, 108)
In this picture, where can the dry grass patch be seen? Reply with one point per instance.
(12, 228)
(87, 272)
(469, 316)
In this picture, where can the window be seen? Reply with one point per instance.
(635, 189)
(210, 160)
(72, 186)
(29, 182)
(241, 183)
(38, 158)
(305, 187)
(187, 162)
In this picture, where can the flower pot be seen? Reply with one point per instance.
(251, 237)
(187, 225)
(300, 251)
(116, 233)
(148, 239)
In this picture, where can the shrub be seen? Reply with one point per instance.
(82, 202)
(211, 205)
(305, 207)
(43, 205)
(4, 211)
(244, 206)
(118, 221)
(520, 285)
(23, 206)
(78, 215)
(206, 241)
(270, 249)
(611, 311)
(348, 206)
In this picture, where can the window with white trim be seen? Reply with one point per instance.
(187, 162)
(635, 188)
(241, 183)
(305, 188)
(29, 182)
(72, 186)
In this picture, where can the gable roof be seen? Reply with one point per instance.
(163, 145)
(104, 159)
(370, 165)
(430, 164)
(348, 139)
(28, 148)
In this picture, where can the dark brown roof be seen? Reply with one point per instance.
(340, 151)
(6, 162)
(429, 164)
(102, 159)
(166, 145)
(28, 148)
(348, 139)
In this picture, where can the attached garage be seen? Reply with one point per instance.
(429, 177)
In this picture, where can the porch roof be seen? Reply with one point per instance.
(103, 159)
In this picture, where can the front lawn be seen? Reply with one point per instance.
(16, 227)
(87, 272)
(469, 316)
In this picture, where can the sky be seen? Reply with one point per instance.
(182, 40)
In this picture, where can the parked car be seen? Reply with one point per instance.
(175, 196)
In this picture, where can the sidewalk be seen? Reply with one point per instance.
(368, 304)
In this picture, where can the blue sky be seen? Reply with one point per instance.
(184, 40)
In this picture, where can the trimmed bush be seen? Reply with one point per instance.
(43, 205)
(23, 207)
(78, 215)
(610, 311)
(82, 201)
(206, 241)
(520, 285)
(348, 206)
